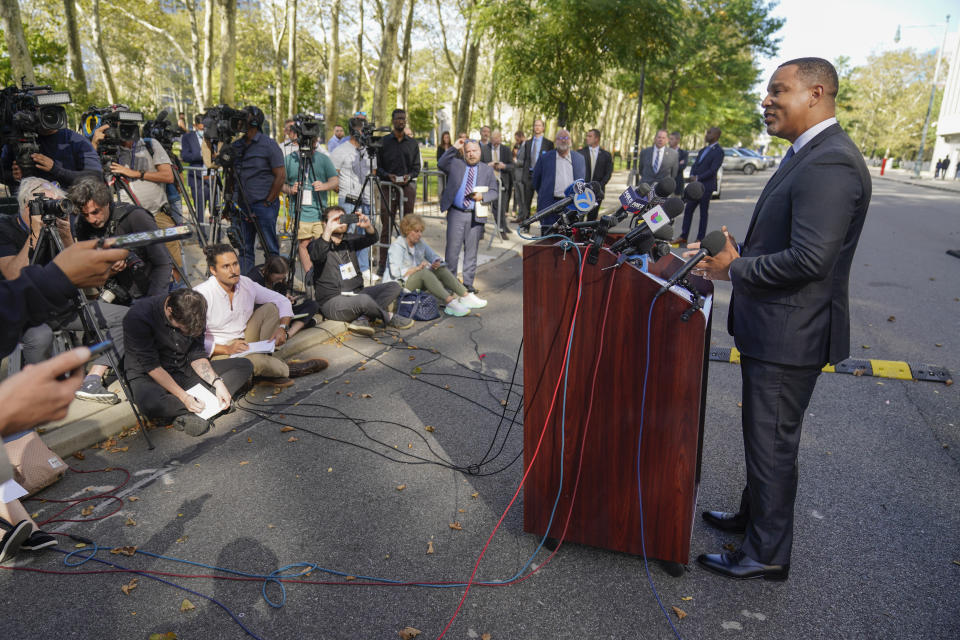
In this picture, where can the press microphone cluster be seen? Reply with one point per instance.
(712, 244)
(655, 218)
(583, 197)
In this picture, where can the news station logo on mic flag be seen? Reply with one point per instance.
(656, 218)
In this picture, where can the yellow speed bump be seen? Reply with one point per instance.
(895, 369)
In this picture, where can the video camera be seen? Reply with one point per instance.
(162, 130)
(124, 126)
(308, 127)
(49, 209)
(220, 124)
(367, 135)
(27, 112)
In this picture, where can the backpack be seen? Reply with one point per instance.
(418, 305)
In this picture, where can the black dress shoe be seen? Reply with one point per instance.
(726, 521)
(739, 566)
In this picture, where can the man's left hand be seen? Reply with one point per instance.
(223, 394)
(364, 222)
(279, 336)
(718, 266)
(123, 170)
(43, 162)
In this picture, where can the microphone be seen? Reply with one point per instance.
(665, 188)
(657, 217)
(711, 245)
(693, 192)
(582, 202)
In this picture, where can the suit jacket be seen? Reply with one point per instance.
(604, 169)
(455, 167)
(505, 156)
(190, 150)
(546, 145)
(545, 173)
(667, 168)
(707, 165)
(790, 301)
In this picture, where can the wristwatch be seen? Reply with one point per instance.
(142, 173)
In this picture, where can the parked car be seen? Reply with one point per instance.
(691, 160)
(765, 161)
(736, 160)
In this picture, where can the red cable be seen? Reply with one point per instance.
(76, 501)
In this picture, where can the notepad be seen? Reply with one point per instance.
(264, 346)
(211, 406)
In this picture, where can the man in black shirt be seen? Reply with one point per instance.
(166, 358)
(338, 283)
(398, 161)
(146, 271)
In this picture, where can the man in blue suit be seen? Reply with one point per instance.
(789, 310)
(461, 197)
(191, 145)
(556, 171)
(704, 170)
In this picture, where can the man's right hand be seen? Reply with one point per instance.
(85, 265)
(236, 346)
(192, 404)
(37, 394)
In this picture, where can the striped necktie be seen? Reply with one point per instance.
(656, 159)
(468, 189)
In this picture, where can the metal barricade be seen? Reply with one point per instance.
(205, 191)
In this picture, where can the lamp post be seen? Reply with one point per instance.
(933, 93)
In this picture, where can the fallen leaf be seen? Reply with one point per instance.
(86, 511)
(408, 632)
(366, 395)
(286, 429)
(181, 539)
(739, 403)
(686, 598)
(186, 605)
(349, 578)
(243, 462)
(79, 545)
(417, 370)
(249, 439)
(119, 449)
(681, 614)
(864, 346)
(485, 636)
(35, 515)
(130, 586)
(179, 515)
(430, 546)
(79, 455)
(361, 368)
(346, 382)
(429, 428)
(938, 344)
(503, 403)
(130, 522)
(409, 445)
(271, 526)
(456, 526)
(169, 635)
(957, 562)
(329, 469)
(461, 511)
(349, 394)
(292, 439)
(948, 381)
(401, 487)
(475, 494)
(892, 319)
(730, 546)
(412, 358)
(127, 551)
(858, 372)
(133, 498)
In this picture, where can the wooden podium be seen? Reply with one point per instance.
(606, 511)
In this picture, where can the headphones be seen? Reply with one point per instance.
(256, 117)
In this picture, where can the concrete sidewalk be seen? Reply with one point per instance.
(906, 177)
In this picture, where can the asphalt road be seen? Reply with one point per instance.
(877, 541)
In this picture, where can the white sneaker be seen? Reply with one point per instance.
(471, 301)
(456, 308)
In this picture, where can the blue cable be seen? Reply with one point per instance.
(643, 404)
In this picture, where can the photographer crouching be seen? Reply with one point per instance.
(19, 248)
(146, 271)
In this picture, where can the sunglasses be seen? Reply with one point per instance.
(360, 113)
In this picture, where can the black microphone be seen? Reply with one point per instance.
(575, 197)
(711, 245)
(693, 192)
(671, 208)
(665, 188)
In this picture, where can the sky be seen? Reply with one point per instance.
(857, 28)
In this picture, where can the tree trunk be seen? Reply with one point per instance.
(359, 97)
(21, 64)
(196, 47)
(228, 43)
(492, 89)
(403, 82)
(333, 64)
(77, 74)
(292, 57)
(468, 85)
(388, 54)
(209, 9)
(278, 28)
(102, 54)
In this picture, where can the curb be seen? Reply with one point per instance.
(927, 184)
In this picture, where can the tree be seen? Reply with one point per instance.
(388, 54)
(20, 62)
(292, 57)
(75, 57)
(228, 61)
(403, 82)
(333, 64)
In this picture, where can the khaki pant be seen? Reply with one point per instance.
(164, 221)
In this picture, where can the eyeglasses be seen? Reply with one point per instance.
(563, 137)
(360, 113)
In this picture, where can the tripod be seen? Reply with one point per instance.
(191, 209)
(305, 157)
(50, 243)
(370, 181)
(229, 206)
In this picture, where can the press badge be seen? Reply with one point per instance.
(347, 271)
(307, 198)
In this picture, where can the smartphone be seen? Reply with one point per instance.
(349, 218)
(145, 238)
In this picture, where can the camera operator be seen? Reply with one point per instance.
(18, 237)
(398, 161)
(259, 167)
(353, 165)
(148, 170)
(146, 271)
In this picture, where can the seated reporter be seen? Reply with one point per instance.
(272, 274)
(338, 283)
(18, 238)
(166, 357)
(146, 271)
(412, 263)
(240, 311)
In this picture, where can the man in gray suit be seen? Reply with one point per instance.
(789, 310)
(659, 161)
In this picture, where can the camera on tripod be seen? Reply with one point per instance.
(220, 124)
(27, 112)
(308, 127)
(117, 289)
(162, 130)
(367, 135)
(49, 209)
(124, 126)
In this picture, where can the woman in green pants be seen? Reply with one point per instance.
(417, 267)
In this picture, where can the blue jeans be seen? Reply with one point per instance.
(175, 202)
(363, 256)
(267, 218)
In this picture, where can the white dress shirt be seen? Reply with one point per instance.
(564, 174)
(227, 321)
(811, 133)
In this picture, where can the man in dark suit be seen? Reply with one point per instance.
(704, 170)
(599, 166)
(789, 311)
(469, 182)
(533, 149)
(682, 155)
(659, 161)
(555, 172)
(191, 145)
(500, 158)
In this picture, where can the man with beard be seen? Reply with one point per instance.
(556, 171)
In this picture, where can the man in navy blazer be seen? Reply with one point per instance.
(789, 311)
(532, 149)
(461, 199)
(191, 145)
(599, 166)
(556, 171)
(704, 170)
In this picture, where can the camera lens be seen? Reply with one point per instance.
(53, 118)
